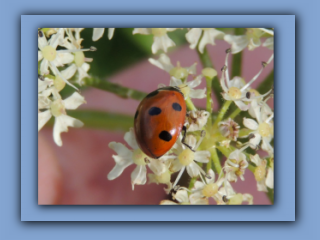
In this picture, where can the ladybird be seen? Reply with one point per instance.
(159, 121)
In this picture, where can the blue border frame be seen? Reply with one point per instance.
(284, 207)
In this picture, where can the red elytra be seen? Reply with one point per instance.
(159, 120)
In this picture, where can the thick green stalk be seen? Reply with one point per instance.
(222, 112)
(266, 84)
(206, 62)
(117, 89)
(101, 120)
(209, 97)
(190, 104)
(234, 113)
(215, 159)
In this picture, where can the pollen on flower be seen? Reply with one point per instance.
(260, 173)
(186, 157)
(234, 93)
(265, 129)
(139, 157)
(210, 190)
(179, 72)
(185, 89)
(49, 53)
(57, 108)
(58, 83)
(236, 199)
(79, 58)
(164, 177)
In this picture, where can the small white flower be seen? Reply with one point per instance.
(98, 33)
(196, 120)
(229, 129)
(251, 40)
(187, 158)
(263, 129)
(161, 40)
(187, 87)
(165, 64)
(236, 89)
(127, 157)
(73, 43)
(235, 165)
(260, 172)
(259, 102)
(208, 188)
(50, 56)
(227, 195)
(62, 120)
(181, 196)
(208, 37)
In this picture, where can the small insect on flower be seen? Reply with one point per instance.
(159, 120)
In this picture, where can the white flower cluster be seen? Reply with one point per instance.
(56, 68)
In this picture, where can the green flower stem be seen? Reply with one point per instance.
(117, 89)
(237, 58)
(235, 113)
(209, 97)
(222, 112)
(190, 104)
(215, 160)
(101, 120)
(192, 181)
(215, 85)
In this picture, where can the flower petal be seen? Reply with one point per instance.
(196, 82)
(43, 118)
(97, 33)
(254, 141)
(161, 43)
(144, 31)
(197, 93)
(40, 56)
(110, 33)
(197, 199)
(182, 196)
(175, 82)
(250, 123)
(56, 38)
(167, 202)
(238, 43)
(269, 178)
(139, 176)
(74, 101)
(202, 156)
(163, 62)
(157, 166)
(61, 124)
(242, 106)
(193, 37)
(130, 138)
(193, 169)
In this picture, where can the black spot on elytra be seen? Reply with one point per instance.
(176, 106)
(152, 94)
(136, 114)
(154, 111)
(166, 136)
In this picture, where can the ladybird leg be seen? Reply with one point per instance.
(184, 129)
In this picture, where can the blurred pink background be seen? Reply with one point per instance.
(76, 172)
